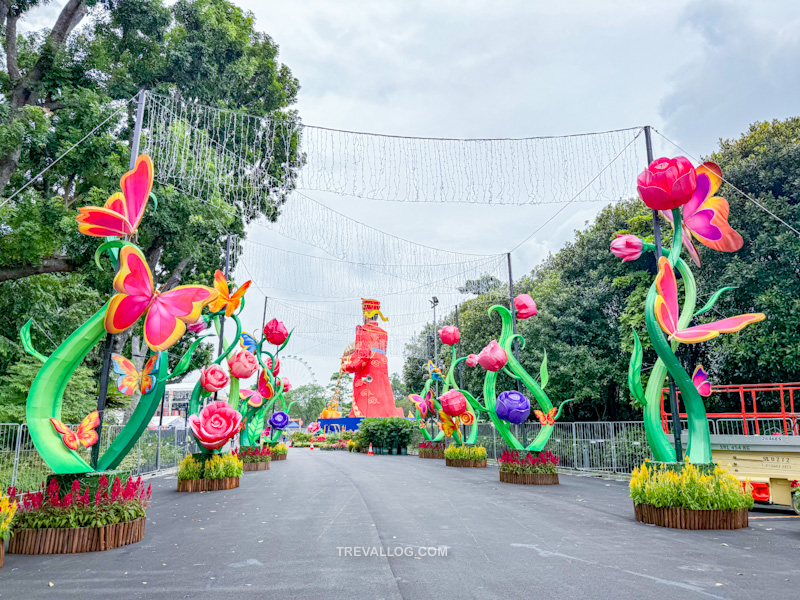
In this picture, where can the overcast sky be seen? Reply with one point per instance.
(698, 71)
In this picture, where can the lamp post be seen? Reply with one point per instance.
(434, 304)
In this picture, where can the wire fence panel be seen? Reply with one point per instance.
(22, 467)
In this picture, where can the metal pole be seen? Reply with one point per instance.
(104, 373)
(222, 317)
(673, 397)
(458, 351)
(435, 343)
(515, 347)
(264, 318)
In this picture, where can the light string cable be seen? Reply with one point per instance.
(742, 192)
(68, 150)
(575, 197)
(211, 151)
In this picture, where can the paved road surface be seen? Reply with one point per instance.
(295, 531)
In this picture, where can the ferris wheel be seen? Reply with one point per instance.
(296, 370)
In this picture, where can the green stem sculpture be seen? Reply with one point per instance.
(699, 445)
(515, 370)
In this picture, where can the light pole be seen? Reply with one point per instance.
(434, 304)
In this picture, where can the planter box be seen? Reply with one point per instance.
(686, 518)
(458, 462)
(208, 485)
(76, 539)
(530, 478)
(279, 456)
(2, 553)
(256, 466)
(438, 454)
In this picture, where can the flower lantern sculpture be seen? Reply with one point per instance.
(166, 315)
(244, 362)
(686, 197)
(513, 407)
(455, 406)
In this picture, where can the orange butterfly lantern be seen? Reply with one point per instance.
(86, 434)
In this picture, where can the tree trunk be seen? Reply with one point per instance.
(24, 88)
(52, 264)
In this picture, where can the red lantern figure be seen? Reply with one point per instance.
(372, 390)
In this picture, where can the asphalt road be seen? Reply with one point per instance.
(329, 525)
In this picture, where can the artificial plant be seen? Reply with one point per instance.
(165, 313)
(512, 407)
(686, 197)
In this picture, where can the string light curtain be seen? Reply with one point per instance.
(248, 160)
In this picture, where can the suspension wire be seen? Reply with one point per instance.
(68, 150)
(560, 210)
(742, 192)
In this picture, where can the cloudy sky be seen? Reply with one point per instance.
(697, 71)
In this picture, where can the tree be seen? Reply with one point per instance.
(311, 400)
(63, 83)
(589, 301)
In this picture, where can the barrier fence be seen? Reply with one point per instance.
(610, 447)
(22, 467)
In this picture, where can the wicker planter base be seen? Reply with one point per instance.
(208, 485)
(458, 462)
(530, 478)
(2, 553)
(279, 457)
(685, 518)
(75, 539)
(257, 466)
(439, 455)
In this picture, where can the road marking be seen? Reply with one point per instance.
(782, 517)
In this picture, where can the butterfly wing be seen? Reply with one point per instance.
(541, 416)
(107, 221)
(221, 285)
(701, 333)
(666, 306)
(701, 382)
(68, 436)
(264, 386)
(128, 375)
(147, 380)
(253, 398)
(421, 405)
(248, 342)
(134, 284)
(166, 320)
(86, 430)
(551, 415)
(236, 299)
(136, 187)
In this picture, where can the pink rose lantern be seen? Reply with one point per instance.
(242, 364)
(276, 332)
(216, 424)
(453, 403)
(449, 335)
(524, 306)
(492, 357)
(213, 378)
(472, 360)
(667, 183)
(627, 247)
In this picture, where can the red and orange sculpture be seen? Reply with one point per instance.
(372, 390)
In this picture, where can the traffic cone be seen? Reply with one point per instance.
(370, 449)
(312, 445)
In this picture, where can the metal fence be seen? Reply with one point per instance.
(596, 446)
(22, 467)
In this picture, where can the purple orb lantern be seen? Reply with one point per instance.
(513, 407)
